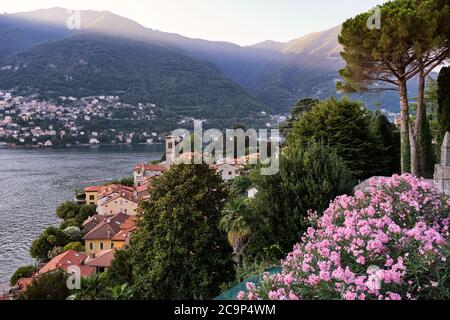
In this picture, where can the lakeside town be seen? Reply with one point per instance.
(115, 219)
(314, 194)
(34, 122)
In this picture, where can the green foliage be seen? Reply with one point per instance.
(73, 233)
(92, 288)
(234, 222)
(178, 251)
(121, 292)
(389, 137)
(444, 105)
(302, 106)
(309, 178)
(50, 286)
(51, 238)
(76, 246)
(67, 210)
(129, 182)
(427, 156)
(412, 40)
(344, 126)
(241, 184)
(121, 269)
(22, 272)
(73, 215)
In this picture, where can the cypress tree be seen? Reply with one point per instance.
(426, 159)
(389, 137)
(444, 106)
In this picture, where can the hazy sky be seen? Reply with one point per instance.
(241, 21)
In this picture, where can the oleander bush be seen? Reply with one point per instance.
(389, 243)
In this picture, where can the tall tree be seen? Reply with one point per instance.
(309, 178)
(404, 47)
(302, 106)
(234, 223)
(388, 134)
(444, 105)
(343, 125)
(427, 157)
(178, 252)
(430, 49)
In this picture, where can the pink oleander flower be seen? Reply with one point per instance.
(363, 247)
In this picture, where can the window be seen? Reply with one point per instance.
(101, 245)
(91, 245)
(92, 197)
(170, 146)
(112, 245)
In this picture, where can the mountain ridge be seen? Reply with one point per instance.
(275, 73)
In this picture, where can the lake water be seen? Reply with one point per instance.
(34, 182)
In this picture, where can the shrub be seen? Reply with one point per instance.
(389, 243)
(41, 247)
(22, 272)
(76, 246)
(73, 233)
(50, 286)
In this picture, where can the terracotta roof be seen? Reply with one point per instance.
(114, 188)
(64, 261)
(126, 229)
(87, 271)
(95, 219)
(93, 189)
(103, 259)
(125, 195)
(143, 188)
(91, 222)
(23, 283)
(107, 229)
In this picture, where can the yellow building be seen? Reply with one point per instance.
(118, 203)
(92, 195)
(101, 237)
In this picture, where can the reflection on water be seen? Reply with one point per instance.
(34, 182)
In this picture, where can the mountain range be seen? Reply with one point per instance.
(111, 54)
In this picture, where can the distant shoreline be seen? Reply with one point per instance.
(34, 147)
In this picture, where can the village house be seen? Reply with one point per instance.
(100, 238)
(114, 199)
(65, 261)
(101, 262)
(123, 202)
(122, 238)
(92, 195)
(92, 222)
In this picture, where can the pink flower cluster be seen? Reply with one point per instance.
(382, 244)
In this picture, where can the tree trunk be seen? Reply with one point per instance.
(415, 150)
(404, 130)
